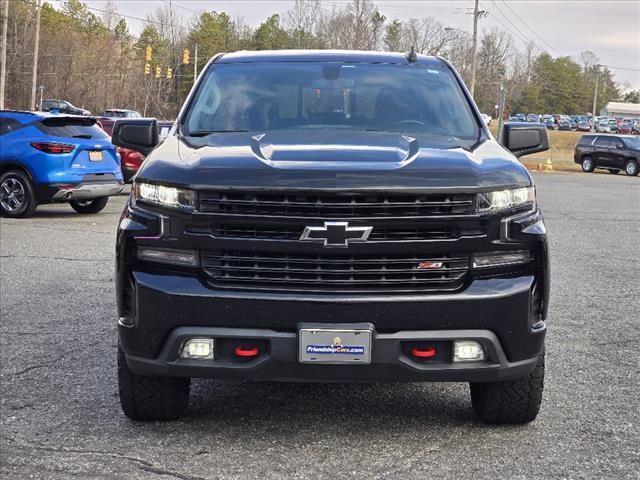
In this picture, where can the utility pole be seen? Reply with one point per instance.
(595, 99)
(36, 47)
(477, 14)
(3, 67)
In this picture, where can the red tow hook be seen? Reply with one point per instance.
(246, 352)
(423, 352)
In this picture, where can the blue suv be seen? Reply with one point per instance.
(46, 158)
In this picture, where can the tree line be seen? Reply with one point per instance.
(90, 57)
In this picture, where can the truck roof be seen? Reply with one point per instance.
(345, 56)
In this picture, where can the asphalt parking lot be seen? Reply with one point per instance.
(60, 416)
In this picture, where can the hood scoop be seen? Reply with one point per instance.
(335, 150)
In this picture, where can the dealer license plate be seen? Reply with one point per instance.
(335, 345)
(95, 156)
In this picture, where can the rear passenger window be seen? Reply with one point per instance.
(602, 142)
(8, 125)
(72, 128)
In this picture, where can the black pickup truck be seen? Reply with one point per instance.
(331, 216)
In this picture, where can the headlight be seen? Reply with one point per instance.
(505, 199)
(165, 196)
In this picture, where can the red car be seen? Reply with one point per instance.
(583, 127)
(625, 128)
(130, 160)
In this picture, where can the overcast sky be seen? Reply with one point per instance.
(609, 28)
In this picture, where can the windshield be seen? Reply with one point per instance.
(260, 97)
(633, 143)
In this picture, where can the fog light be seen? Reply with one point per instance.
(467, 351)
(187, 258)
(501, 259)
(200, 348)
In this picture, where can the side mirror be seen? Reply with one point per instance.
(140, 134)
(523, 138)
(619, 146)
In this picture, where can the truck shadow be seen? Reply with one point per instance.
(327, 406)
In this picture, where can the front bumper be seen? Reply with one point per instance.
(278, 360)
(164, 309)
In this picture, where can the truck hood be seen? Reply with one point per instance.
(332, 160)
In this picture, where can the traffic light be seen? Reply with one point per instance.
(148, 53)
(158, 72)
(185, 56)
(169, 73)
(147, 68)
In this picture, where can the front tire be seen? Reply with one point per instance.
(17, 199)
(587, 164)
(89, 206)
(516, 401)
(631, 168)
(151, 398)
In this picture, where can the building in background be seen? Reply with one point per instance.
(621, 110)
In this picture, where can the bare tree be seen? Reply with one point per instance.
(494, 60)
(359, 26)
(427, 35)
(588, 59)
(301, 21)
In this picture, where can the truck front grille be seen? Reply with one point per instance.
(330, 205)
(334, 273)
(293, 231)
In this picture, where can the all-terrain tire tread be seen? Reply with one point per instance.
(151, 398)
(516, 401)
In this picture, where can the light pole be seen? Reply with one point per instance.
(455, 33)
(195, 65)
(595, 99)
(501, 99)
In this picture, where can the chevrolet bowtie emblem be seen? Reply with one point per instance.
(336, 234)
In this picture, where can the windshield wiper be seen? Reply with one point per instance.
(82, 136)
(204, 133)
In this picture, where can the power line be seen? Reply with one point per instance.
(176, 4)
(517, 35)
(526, 25)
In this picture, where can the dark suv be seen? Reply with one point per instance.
(611, 152)
(331, 216)
(62, 106)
